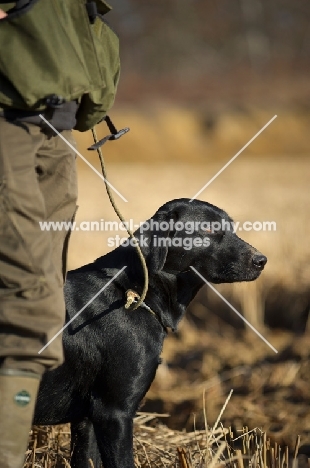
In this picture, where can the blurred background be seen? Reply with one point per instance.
(199, 79)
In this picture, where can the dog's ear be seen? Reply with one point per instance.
(154, 236)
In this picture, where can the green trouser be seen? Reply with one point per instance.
(37, 183)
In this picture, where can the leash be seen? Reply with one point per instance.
(115, 135)
(134, 298)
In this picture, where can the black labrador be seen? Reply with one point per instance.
(112, 353)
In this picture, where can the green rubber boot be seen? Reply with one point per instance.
(18, 392)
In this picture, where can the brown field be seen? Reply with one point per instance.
(168, 156)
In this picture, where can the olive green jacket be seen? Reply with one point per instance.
(53, 49)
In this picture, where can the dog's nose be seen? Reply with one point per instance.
(259, 261)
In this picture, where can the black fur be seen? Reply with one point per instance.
(111, 354)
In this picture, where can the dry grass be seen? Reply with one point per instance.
(155, 445)
(161, 133)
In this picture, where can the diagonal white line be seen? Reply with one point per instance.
(81, 310)
(232, 159)
(235, 310)
(82, 157)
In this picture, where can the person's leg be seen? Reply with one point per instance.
(57, 177)
(32, 306)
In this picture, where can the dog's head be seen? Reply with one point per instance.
(184, 234)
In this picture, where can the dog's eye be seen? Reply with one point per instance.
(215, 232)
(214, 235)
(219, 235)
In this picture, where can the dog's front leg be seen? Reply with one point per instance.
(84, 445)
(114, 433)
